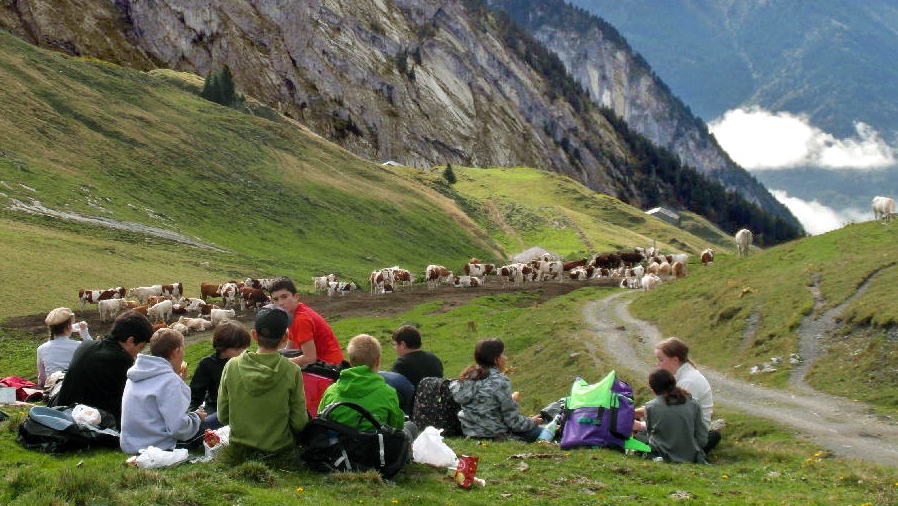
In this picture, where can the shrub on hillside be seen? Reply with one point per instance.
(219, 88)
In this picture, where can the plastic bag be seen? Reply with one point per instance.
(86, 415)
(152, 457)
(430, 449)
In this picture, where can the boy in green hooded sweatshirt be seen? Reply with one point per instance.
(261, 393)
(362, 385)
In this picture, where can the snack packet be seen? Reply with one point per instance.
(465, 471)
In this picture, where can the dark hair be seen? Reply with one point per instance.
(674, 348)
(230, 334)
(409, 335)
(283, 283)
(164, 342)
(59, 328)
(131, 324)
(662, 382)
(486, 353)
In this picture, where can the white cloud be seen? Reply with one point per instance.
(818, 218)
(759, 139)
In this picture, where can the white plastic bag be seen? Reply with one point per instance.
(85, 414)
(152, 457)
(430, 449)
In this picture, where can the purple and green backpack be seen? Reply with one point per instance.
(600, 415)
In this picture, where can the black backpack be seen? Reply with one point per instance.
(332, 446)
(53, 430)
(435, 407)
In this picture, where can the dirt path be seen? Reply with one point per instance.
(847, 428)
(812, 329)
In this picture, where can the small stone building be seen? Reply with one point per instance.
(666, 215)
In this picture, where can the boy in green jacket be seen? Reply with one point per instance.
(261, 393)
(362, 385)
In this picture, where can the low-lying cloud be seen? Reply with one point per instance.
(818, 218)
(759, 139)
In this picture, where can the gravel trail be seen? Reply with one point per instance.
(847, 428)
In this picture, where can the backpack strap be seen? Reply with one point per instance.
(361, 411)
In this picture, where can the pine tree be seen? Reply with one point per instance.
(219, 87)
(448, 174)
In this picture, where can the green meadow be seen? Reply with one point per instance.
(758, 463)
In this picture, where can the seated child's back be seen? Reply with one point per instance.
(261, 393)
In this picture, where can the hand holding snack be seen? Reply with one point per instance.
(182, 372)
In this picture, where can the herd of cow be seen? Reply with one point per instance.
(161, 303)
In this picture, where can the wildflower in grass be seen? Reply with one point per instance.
(726, 477)
(300, 489)
(818, 454)
(394, 502)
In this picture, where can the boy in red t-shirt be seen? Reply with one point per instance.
(309, 332)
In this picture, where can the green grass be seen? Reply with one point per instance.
(757, 464)
(709, 308)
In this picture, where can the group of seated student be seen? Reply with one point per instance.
(154, 406)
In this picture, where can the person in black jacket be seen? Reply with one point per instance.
(98, 371)
(413, 362)
(229, 340)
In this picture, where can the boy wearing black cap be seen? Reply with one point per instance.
(261, 393)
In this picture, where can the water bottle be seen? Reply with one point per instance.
(548, 432)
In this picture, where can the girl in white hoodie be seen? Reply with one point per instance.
(156, 399)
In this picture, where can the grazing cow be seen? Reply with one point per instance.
(744, 238)
(220, 315)
(708, 257)
(340, 287)
(252, 297)
(631, 282)
(175, 290)
(321, 282)
(435, 274)
(152, 301)
(467, 281)
(161, 311)
(511, 272)
(678, 270)
(574, 263)
(259, 284)
(195, 324)
(230, 292)
(178, 309)
(650, 281)
(209, 290)
(180, 327)
(142, 293)
(883, 208)
(95, 296)
(680, 257)
(111, 307)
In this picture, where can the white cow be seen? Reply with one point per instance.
(217, 316)
(321, 282)
(650, 281)
(883, 208)
(744, 238)
(144, 292)
(197, 324)
(111, 307)
(192, 304)
(180, 327)
(161, 311)
(467, 281)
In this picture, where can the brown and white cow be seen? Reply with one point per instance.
(252, 297)
(379, 279)
(95, 296)
(574, 263)
(340, 287)
(436, 274)
(678, 270)
(111, 307)
(708, 256)
(321, 282)
(578, 274)
(152, 301)
(467, 281)
(511, 273)
(174, 290)
(402, 277)
(474, 269)
(230, 292)
(209, 290)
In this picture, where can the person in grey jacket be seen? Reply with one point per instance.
(156, 399)
(673, 421)
(488, 409)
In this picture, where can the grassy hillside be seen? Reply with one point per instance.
(267, 197)
(758, 463)
(711, 309)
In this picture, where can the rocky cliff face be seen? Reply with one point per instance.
(616, 77)
(422, 82)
